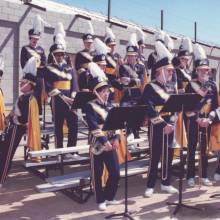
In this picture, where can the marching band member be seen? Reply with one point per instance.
(61, 87)
(110, 41)
(155, 95)
(2, 103)
(96, 112)
(100, 57)
(182, 71)
(158, 36)
(131, 76)
(197, 123)
(59, 32)
(34, 50)
(24, 116)
(140, 57)
(87, 41)
(113, 60)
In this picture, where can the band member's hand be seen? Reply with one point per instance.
(125, 80)
(138, 82)
(85, 90)
(168, 129)
(181, 91)
(68, 100)
(120, 61)
(108, 146)
(115, 144)
(203, 122)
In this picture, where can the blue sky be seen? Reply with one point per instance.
(179, 16)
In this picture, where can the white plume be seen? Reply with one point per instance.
(109, 33)
(133, 40)
(186, 44)
(199, 52)
(2, 63)
(169, 42)
(59, 29)
(60, 40)
(38, 24)
(140, 34)
(159, 35)
(90, 29)
(96, 71)
(31, 66)
(100, 47)
(162, 51)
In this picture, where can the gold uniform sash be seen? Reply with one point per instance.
(2, 112)
(34, 133)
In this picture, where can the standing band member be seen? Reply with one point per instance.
(131, 76)
(34, 50)
(96, 112)
(87, 42)
(102, 58)
(24, 116)
(197, 122)
(182, 71)
(155, 95)
(61, 88)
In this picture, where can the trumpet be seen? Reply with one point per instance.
(97, 147)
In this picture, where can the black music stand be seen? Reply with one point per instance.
(82, 98)
(182, 103)
(120, 118)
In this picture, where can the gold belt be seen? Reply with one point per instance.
(110, 71)
(63, 85)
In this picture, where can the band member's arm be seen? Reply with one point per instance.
(91, 117)
(74, 84)
(43, 59)
(21, 110)
(125, 75)
(152, 114)
(114, 82)
(23, 57)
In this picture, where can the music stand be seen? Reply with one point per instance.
(82, 98)
(119, 118)
(181, 103)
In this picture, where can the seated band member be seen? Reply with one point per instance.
(34, 50)
(24, 117)
(96, 112)
(197, 123)
(61, 87)
(161, 126)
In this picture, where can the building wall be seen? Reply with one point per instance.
(16, 19)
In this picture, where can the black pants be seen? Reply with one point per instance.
(110, 160)
(8, 148)
(194, 133)
(61, 112)
(160, 151)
